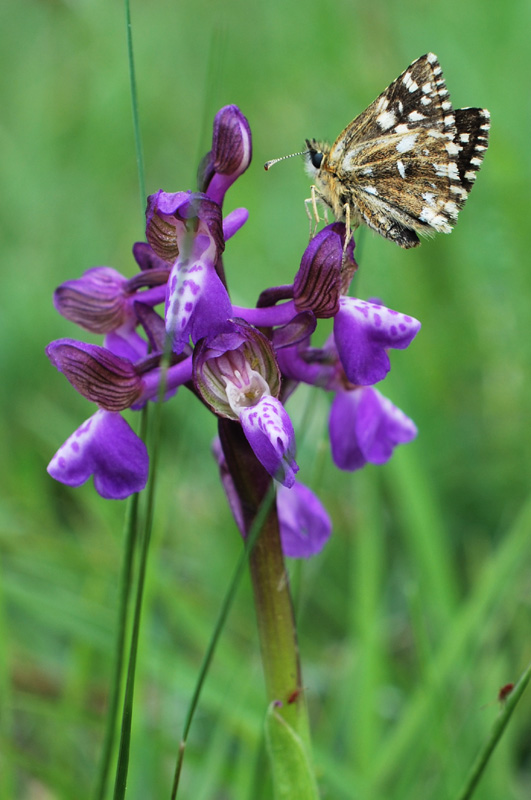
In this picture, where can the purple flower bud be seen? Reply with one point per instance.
(234, 221)
(234, 370)
(230, 155)
(102, 377)
(317, 285)
(366, 427)
(104, 446)
(96, 301)
(363, 333)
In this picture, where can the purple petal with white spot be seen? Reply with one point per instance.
(363, 333)
(197, 303)
(305, 526)
(366, 427)
(106, 447)
(269, 431)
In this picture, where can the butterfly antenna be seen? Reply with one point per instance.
(269, 164)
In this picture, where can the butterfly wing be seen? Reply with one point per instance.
(408, 162)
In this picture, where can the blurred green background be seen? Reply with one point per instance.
(418, 610)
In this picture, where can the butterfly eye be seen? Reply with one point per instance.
(316, 158)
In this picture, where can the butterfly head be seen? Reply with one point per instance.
(314, 156)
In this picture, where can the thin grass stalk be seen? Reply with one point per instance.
(127, 712)
(134, 108)
(500, 723)
(131, 528)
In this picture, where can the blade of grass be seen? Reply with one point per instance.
(498, 574)
(500, 723)
(134, 106)
(125, 586)
(6, 772)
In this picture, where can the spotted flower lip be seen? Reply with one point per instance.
(106, 447)
(364, 332)
(270, 433)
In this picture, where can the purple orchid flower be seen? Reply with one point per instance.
(243, 363)
(237, 376)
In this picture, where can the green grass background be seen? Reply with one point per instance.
(418, 610)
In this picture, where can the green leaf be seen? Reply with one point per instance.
(293, 775)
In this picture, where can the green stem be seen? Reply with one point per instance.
(273, 604)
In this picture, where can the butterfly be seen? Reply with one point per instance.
(406, 165)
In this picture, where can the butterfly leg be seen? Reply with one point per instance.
(348, 230)
(312, 211)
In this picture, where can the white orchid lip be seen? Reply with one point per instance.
(246, 389)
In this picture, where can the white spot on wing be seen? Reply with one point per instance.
(429, 198)
(436, 221)
(452, 148)
(407, 143)
(386, 120)
(401, 168)
(451, 209)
